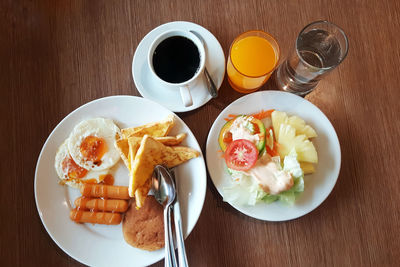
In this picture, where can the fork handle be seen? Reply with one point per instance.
(179, 236)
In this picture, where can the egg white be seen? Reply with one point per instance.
(99, 127)
(62, 153)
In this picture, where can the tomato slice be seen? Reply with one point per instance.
(241, 155)
(225, 136)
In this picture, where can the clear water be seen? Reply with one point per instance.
(319, 48)
(318, 51)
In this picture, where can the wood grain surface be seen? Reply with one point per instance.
(57, 55)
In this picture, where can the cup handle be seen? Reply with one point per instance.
(186, 96)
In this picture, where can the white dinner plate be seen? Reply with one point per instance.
(104, 245)
(170, 97)
(317, 185)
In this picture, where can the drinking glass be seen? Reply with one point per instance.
(253, 56)
(320, 47)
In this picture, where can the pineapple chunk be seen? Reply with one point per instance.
(307, 167)
(305, 149)
(287, 140)
(301, 128)
(279, 117)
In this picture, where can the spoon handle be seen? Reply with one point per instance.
(210, 84)
(212, 89)
(170, 259)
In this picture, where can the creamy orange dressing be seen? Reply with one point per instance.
(240, 131)
(270, 178)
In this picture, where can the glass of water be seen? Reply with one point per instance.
(320, 47)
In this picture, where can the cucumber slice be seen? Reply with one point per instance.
(222, 133)
(258, 127)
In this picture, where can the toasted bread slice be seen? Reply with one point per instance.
(160, 128)
(150, 153)
(124, 147)
(134, 144)
(171, 140)
(147, 156)
(141, 193)
(175, 155)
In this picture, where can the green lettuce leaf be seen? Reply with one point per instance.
(246, 190)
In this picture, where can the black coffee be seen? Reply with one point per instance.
(176, 59)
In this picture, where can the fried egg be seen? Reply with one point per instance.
(71, 173)
(91, 144)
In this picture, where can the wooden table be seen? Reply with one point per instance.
(57, 55)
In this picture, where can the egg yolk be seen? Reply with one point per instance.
(93, 149)
(72, 169)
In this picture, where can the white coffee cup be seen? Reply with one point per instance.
(184, 87)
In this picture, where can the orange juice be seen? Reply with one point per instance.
(253, 57)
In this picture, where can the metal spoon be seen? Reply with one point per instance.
(210, 83)
(164, 192)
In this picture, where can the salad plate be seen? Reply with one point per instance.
(104, 245)
(317, 186)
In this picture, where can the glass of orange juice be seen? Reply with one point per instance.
(253, 57)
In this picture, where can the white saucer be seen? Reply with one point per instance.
(170, 98)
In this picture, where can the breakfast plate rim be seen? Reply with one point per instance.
(200, 164)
